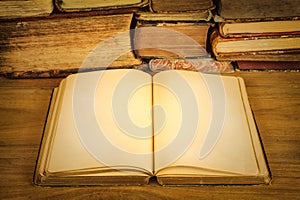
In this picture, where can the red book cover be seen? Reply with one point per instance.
(281, 65)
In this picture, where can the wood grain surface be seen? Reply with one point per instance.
(274, 98)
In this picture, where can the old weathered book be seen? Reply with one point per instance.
(25, 8)
(178, 11)
(100, 5)
(171, 40)
(260, 28)
(267, 65)
(277, 56)
(203, 15)
(208, 65)
(173, 29)
(169, 6)
(258, 9)
(60, 45)
(283, 47)
(124, 126)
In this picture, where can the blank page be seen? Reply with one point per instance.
(204, 125)
(89, 133)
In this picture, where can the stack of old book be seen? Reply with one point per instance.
(173, 29)
(45, 38)
(175, 34)
(264, 30)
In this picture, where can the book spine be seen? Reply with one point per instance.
(265, 65)
(224, 33)
(171, 40)
(214, 40)
(107, 10)
(260, 56)
(198, 65)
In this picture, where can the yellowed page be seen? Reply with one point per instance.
(212, 136)
(88, 134)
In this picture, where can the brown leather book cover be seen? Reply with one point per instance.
(169, 40)
(169, 6)
(258, 9)
(263, 65)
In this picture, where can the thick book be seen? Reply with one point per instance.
(106, 6)
(258, 9)
(170, 40)
(270, 56)
(175, 11)
(265, 47)
(268, 65)
(208, 65)
(25, 8)
(200, 16)
(260, 28)
(62, 45)
(125, 126)
(169, 6)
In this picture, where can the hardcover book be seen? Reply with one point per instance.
(58, 46)
(198, 65)
(169, 6)
(269, 65)
(108, 6)
(204, 16)
(25, 8)
(125, 126)
(170, 40)
(260, 28)
(194, 10)
(271, 48)
(258, 9)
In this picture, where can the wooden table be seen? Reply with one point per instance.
(274, 98)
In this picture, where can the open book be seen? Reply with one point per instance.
(125, 126)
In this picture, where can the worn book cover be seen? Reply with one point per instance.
(106, 6)
(208, 65)
(200, 16)
(61, 45)
(169, 6)
(269, 65)
(25, 8)
(260, 28)
(258, 9)
(265, 47)
(171, 40)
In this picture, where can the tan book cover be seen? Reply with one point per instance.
(107, 6)
(125, 126)
(272, 48)
(260, 28)
(25, 8)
